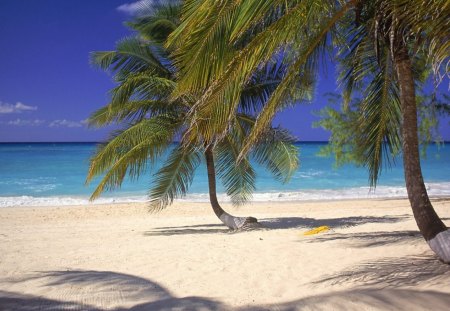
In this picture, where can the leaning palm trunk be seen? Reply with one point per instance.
(230, 221)
(430, 225)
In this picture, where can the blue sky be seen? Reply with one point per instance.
(48, 88)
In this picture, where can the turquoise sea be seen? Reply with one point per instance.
(42, 174)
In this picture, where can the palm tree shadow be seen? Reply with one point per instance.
(393, 272)
(276, 223)
(100, 290)
(105, 290)
(365, 299)
(10, 301)
(343, 222)
(370, 239)
(194, 229)
(440, 199)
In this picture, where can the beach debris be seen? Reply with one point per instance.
(317, 230)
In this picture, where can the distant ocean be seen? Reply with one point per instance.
(41, 174)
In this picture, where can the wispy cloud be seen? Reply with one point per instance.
(21, 122)
(66, 123)
(53, 124)
(6, 108)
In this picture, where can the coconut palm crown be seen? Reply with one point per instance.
(142, 101)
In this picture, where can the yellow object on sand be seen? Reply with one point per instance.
(317, 230)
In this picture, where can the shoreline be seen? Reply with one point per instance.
(277, 197)
(117, 202)
(270, 208)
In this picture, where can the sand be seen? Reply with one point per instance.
(120, 257)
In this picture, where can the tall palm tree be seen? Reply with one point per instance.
(381, 43)
(146, 79)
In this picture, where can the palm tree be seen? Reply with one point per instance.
(381, 44)
(143, 99)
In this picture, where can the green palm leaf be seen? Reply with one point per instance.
(427, 23)
(237, 177)
(157, 25)
(141, 86)
(130, 150)
(306, 62)
(380, 118)
(277, 152)
(131, 111)
(131, 55)
(174, 178)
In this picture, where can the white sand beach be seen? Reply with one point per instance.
(120, 257)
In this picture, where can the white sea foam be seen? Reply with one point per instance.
(63, 201)
(434, 190)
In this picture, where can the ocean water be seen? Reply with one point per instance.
(41, 174)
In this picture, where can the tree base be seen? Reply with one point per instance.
(251, 223)
(440, 244)
(240, 223)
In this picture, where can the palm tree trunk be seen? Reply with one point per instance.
(230, 221)
(430, 225)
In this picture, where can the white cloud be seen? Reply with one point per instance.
(21, 122)
(53, 124)
(66, 123)
(6, 108)
(21, 107)
(134, 8)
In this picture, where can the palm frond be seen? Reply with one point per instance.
(196, 42)
(257, 91)
(155, 24)
(208, 32)
(174, 178)
(368, 71)
(306, 61)
(428, 23)
(258, 51)
(367, 132)
(238, 177)
(276, 151)
(221, 99)
(142, 86)
(131, 55)
(131, 111)
(380, 121)
(129, 152)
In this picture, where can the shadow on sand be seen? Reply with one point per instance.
(104, 290)
(195, 229)
(366, 299)
(100, 290)
(278, 223)
(370, 239)
(440, 199)
(343, 222)
(394, 272)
